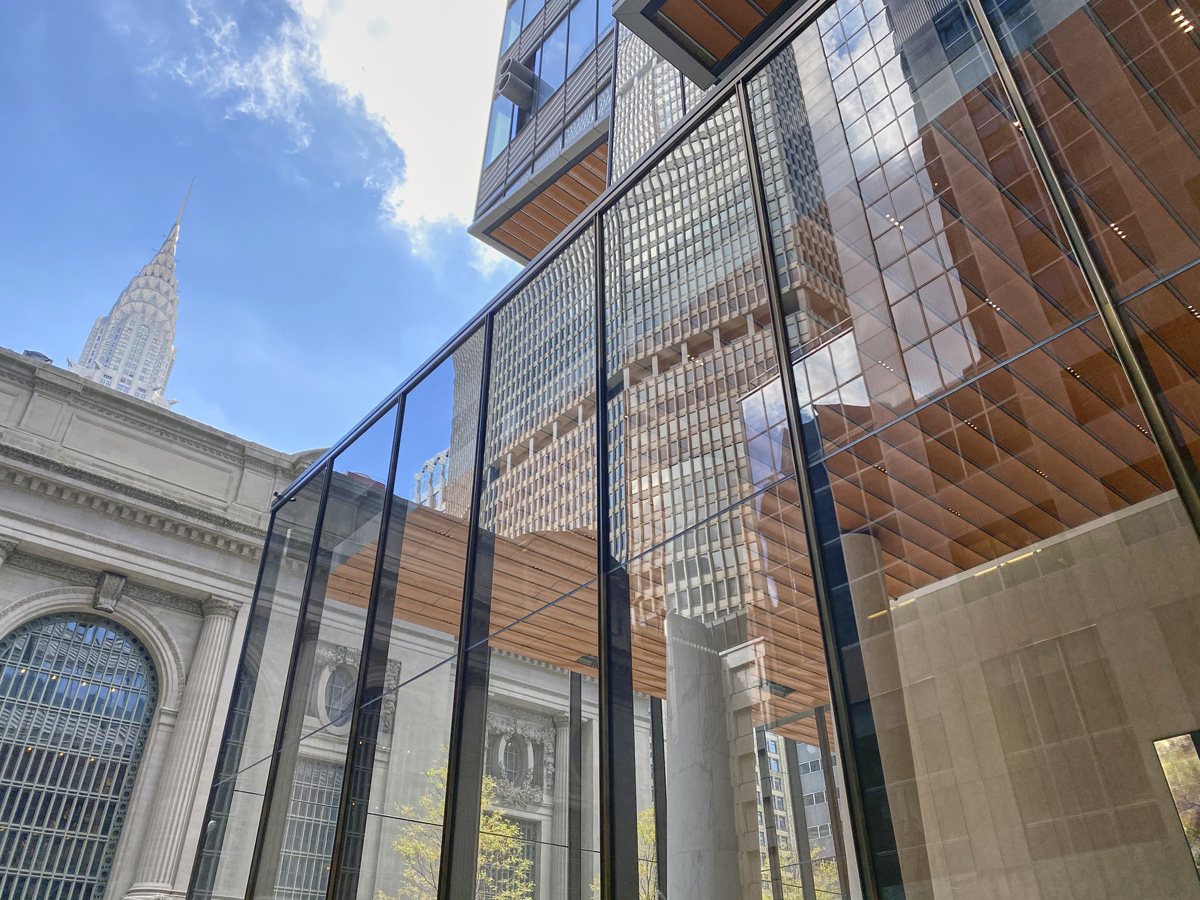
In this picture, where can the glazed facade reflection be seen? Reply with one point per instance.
(802, 527)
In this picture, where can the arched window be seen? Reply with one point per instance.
(77, 694)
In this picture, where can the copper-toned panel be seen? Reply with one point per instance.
(700, 27)
(737, 14)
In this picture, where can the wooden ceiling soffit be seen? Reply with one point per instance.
(546, 214)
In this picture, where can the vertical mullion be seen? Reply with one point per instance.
(288, 689)
(360, 749)
(618, 778)
(1137, 370)
(804, 860)
(658, 757)
(459, 861)
(821, 586)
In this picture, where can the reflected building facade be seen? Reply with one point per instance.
(826, 506)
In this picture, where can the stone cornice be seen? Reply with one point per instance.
(39, 484)
(74, 575)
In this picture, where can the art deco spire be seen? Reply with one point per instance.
(132, 348)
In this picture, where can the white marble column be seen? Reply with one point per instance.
(702, 836)
(559, 833)
(159, 860)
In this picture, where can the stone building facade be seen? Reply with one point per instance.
(121, 525)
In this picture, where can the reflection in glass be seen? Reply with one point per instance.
(1112, 86)
(236, 801)
(392, 834)
(302, 819)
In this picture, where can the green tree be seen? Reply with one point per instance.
(504, 871)
(824, 871)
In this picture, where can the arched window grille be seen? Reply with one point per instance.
(77, 694)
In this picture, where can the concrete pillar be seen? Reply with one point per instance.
(559, 836)
(702, 837)
(159, 860)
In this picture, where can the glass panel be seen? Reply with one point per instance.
(512, 25)
(605, 21)
(648, 99)
(538, 513)
(906, 213)
(532, 8)
(236, 802)
(990, 505)
(742, 697)
(1113, 86)
(688, 336)
(398, 769)
(583, 33)
(554, 63)
(299, 835)
(499, 128)
(536, 575)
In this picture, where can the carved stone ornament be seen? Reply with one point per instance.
(109, 587)
(331, 654)
(387, 707)
(6, 550)
(505, 721)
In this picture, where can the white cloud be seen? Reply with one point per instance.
(421, 70)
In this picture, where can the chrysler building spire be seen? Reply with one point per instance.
(132, 349)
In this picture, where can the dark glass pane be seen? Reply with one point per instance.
(236, 802)
(532, 8)
(309, 770)
(554, 63)
(583, 33)
(392, 837)
(499, 128)
(512, 25)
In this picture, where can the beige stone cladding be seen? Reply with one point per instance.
(120, 509)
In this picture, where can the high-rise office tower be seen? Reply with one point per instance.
(132, 348)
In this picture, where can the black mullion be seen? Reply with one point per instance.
(823, 578)
(459, 862)
(618, 778)
(658, 762)
(346, 857)
(288, 691)
(831, 798)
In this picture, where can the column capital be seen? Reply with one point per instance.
(219, 606)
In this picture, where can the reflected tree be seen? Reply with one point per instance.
(505, 873)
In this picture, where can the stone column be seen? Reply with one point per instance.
(559, 836)
(702, 835)
(159, 860)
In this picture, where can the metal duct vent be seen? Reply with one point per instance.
(516, 83)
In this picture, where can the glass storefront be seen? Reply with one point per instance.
(804, 527)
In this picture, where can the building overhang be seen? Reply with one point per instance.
(523, 222)
(701, 38)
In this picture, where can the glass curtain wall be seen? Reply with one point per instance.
(911, 596)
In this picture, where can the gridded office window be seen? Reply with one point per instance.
(311, 823)
(77, 694)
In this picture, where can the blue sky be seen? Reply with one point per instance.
(335, 146)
